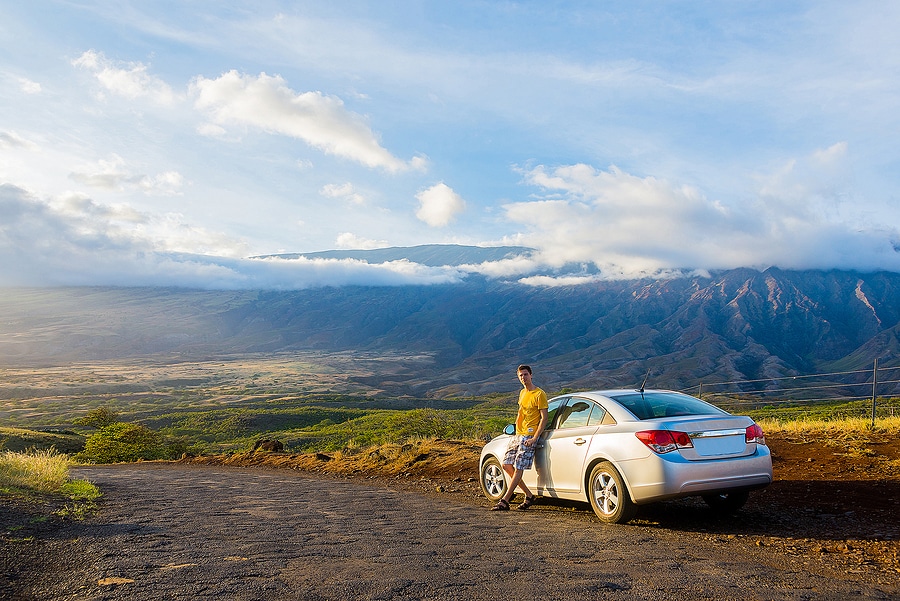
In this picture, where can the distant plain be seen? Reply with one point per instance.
(314, 401)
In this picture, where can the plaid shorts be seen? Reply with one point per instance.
(518, 455)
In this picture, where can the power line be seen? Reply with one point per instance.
(778, 393)
(800, 377)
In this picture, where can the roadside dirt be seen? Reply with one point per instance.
(837, 500)
(833, 504)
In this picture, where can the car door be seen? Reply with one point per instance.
(538, 476)
(566, 446)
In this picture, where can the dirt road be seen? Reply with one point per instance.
(201, 532)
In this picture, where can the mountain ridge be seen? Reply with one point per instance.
(431, 255)
(739, 324)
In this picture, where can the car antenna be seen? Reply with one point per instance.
(641, 389)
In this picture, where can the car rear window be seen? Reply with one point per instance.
(652, 405)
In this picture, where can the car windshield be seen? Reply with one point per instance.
(652, 405)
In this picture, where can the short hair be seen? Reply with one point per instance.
(526, 368)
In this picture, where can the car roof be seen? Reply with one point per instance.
(608, 398)
(617, 391)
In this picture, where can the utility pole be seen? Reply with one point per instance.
(874, 385)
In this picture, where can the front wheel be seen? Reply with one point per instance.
(608, 495)
(727, 502)
(493, 479)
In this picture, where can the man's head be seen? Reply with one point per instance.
(524, 373)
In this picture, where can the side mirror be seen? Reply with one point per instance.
(510, 429)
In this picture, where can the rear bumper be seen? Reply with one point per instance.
(669, 476)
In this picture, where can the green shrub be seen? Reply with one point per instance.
(122, 442)
(98, 418)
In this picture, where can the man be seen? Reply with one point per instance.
(530, 423)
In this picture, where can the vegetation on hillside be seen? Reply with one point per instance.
(22, 439)
(330, 423)
(115, 412)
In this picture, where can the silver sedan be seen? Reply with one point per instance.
(618, 449)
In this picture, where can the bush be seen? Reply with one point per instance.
(98, 418)
(122, 442)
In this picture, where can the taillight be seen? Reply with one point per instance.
(755, 434)
(663, 441)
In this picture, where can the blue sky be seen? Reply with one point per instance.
(167, 142)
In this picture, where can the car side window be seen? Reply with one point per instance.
(575, 414)
(552, 408)
(598, 414)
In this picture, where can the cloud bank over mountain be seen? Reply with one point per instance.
(77, 242)
(600, 225)
(627, 225)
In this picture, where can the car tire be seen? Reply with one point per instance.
(727, 502)
(609, 496)
(493, 479)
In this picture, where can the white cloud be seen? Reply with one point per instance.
(267, 103)
(310, 273)
(28, 86)
(211, 130)
(550, 281)
(832, 155)
(345, 191)
(10, 139)
(439, 205)
(130, 80)
(505, 268)
(114, 174)
(630, 226)
(348, 240)
(419, 163)
(167, 182)
(77, 241)
(92, 218)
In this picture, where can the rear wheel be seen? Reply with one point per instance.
(608, 495)
(727, 502)
(493, 479)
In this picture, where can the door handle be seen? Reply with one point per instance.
(580, 441)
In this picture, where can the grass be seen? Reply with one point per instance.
(42, 472)
(787, 410)
(852, 436)
(838, 428)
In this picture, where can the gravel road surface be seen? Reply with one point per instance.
(199, 532)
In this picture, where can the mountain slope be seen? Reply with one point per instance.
(737, 325)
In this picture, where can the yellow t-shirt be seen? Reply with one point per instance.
(530, 404)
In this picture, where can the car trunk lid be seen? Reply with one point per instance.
(714, 437)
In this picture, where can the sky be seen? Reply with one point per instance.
(169, 143)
